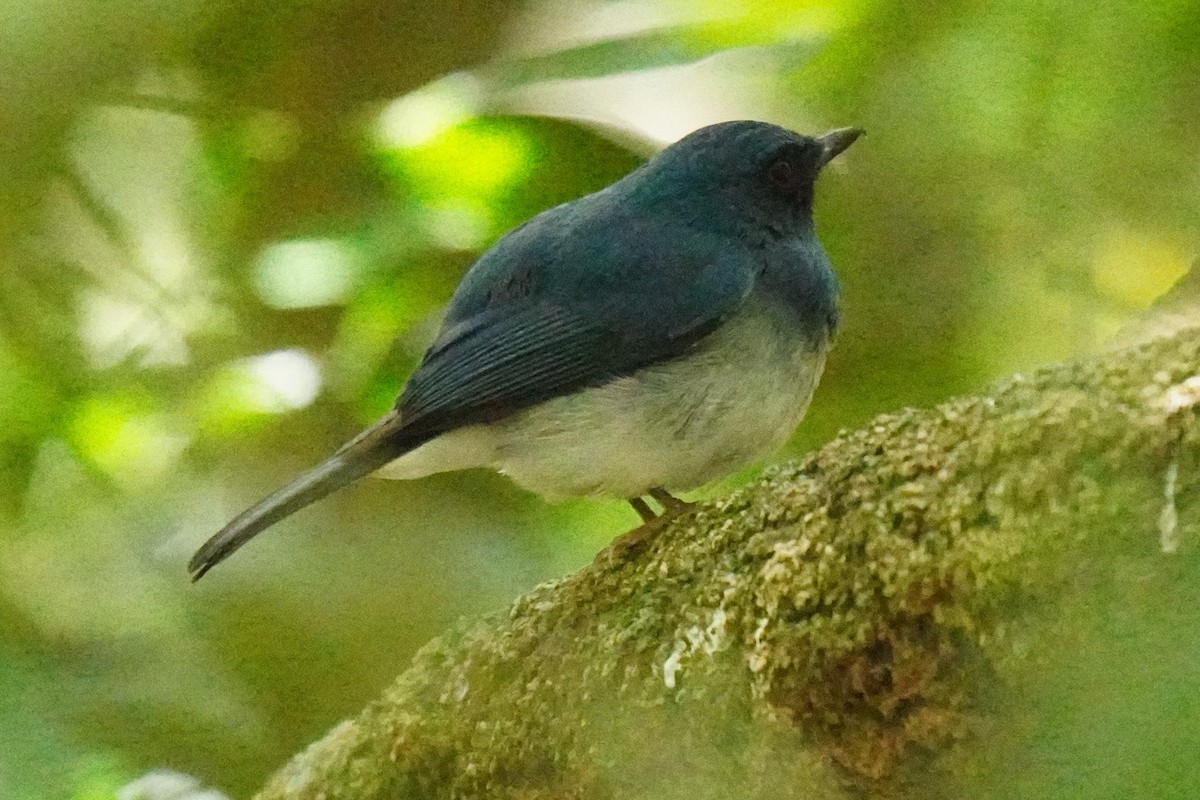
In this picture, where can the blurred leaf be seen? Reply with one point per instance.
(472, 164)
(665, 47)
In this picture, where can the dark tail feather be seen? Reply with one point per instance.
(366, 453)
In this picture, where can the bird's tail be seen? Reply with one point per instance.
(365, 453)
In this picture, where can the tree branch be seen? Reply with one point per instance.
(904, 613)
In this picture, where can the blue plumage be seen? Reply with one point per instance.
(658, 333)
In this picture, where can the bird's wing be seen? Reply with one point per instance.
(513, 356)
(501, 360)
(517, 335)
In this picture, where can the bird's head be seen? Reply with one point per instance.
(749, 173)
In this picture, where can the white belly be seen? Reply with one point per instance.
(677, 425)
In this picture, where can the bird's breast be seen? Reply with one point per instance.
(733, 399)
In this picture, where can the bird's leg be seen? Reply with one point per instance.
(651, 523)
(672, 505)
(643, 509)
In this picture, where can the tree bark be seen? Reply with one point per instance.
(996, 597)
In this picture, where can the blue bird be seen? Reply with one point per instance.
(653, 336)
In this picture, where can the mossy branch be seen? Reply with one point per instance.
(905, 613)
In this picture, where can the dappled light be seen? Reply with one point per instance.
(228, 233)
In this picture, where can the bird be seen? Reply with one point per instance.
(641, 340)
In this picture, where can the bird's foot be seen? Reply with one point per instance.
(632, 540)
(651, 525)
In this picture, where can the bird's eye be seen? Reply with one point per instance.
(783, 174)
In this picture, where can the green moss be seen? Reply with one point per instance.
(857, 622)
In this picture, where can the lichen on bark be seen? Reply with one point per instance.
(882, 618)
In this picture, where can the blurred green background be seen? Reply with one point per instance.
(227, 230)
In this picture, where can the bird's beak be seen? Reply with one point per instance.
(836, 141)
